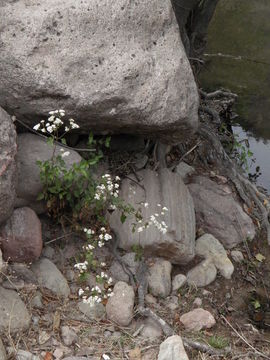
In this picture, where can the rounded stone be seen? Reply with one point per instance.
(119, 307)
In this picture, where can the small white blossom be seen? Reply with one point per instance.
(65, 154)
(36, 127)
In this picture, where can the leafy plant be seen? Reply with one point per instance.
(218, 342)
(74, 194)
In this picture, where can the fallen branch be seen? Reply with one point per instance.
(196, 345)
(244, 339)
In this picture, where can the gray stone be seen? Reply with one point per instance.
(119, 307)
(94, 312)
(172, 349)
(203, 274)
(13, 313)
(26, 355)
(150, 299)
(22, 271)
(184, 170)
(151, 329)
(32, 148)
(197, 302)
(218, 213)
(70, 275)
(21, 236)
(8, 171)
(36, 302)
(197, 320)
(172, 303)
(48, 252)
(3, 354)
(159, 278)
(166, 188)
(131, 54)
(237, 256)
(117, 272)
(178, 281)
(68, 335)
(14, 284)
(209, 247)
(50, 277)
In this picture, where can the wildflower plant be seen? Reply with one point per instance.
(74, 194)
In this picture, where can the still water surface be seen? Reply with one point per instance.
(241, 29)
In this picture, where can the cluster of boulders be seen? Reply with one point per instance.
(122, 71)
(192, 202)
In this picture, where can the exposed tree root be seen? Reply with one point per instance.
(247, 191)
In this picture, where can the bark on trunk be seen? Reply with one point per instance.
(193, 17)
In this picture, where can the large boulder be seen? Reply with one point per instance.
(118, 66)
(218, 213)
(158, 190)
(8, 149)
(32, 148)
(21, 237)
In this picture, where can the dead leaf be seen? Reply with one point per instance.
(48, 356)
(135, 354)
(56, 321)
(260, 257)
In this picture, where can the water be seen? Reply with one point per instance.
(241, 29)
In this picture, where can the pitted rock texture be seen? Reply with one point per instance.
(8, 150)
(112, 65)
(32, 148)
(218, 213)
(21, 236)
(167, 189)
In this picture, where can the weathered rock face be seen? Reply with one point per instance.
(116, 65)
(167, 189)
(218, 213)
(32, 148)
(8, 149)
(21, 237)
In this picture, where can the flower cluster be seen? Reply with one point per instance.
(54, 122)
(107, 188)
(82, 267)
(97, 294)
(155, 220)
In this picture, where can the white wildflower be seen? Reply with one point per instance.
(36, 127)
(65, 154)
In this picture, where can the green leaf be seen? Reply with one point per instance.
(260, 257)
(50, 141)
(107, 142)
(123, 218)
(40, 196)
(63, 141)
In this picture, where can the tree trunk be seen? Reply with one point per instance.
(193, 17)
